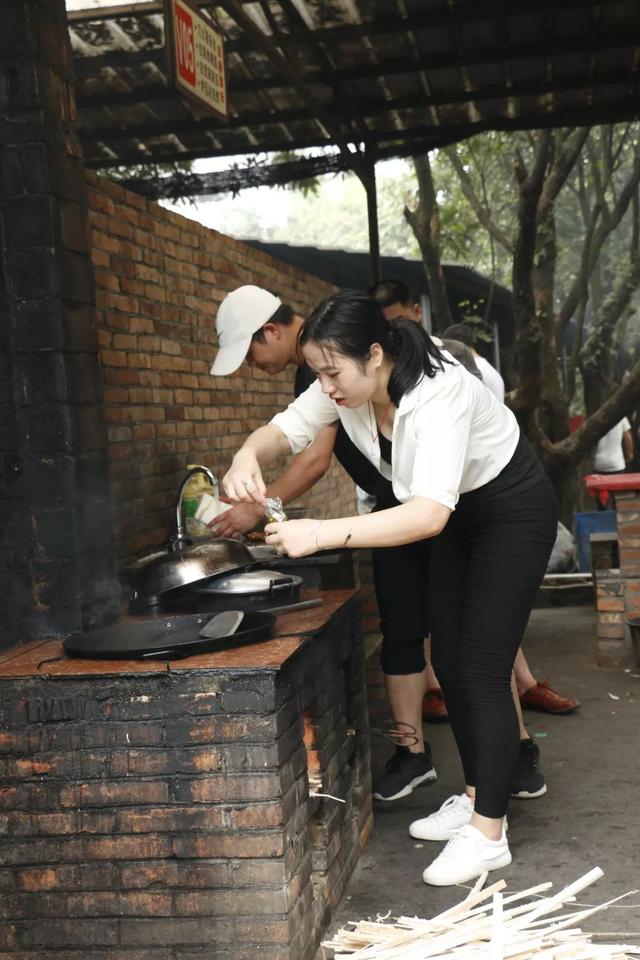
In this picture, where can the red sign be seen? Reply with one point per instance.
(184, 45)
(196, 56)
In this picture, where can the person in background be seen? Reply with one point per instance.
(490, 376)
(255, 325)
(468, 481)
(615, 449)
(533, 694)
(396, 301)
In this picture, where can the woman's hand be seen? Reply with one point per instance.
(294, 538)
(243, 481)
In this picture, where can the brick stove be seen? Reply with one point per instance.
(618, 590)
(153, 811)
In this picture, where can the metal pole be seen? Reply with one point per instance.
(427, 318)
(369, 184)
(496, 346)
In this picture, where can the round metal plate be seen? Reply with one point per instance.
(253, 581)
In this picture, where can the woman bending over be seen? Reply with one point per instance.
(467, 480)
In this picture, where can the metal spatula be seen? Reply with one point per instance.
(222, 624)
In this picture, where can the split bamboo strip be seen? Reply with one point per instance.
(476, 929)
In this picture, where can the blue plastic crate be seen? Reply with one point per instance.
(584, 524)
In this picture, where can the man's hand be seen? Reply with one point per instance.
(243, 481)
(240, 519)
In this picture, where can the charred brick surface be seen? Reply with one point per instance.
(51, 579)
(165, 813)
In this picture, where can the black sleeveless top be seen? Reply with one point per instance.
(362, 471)
(385, 448)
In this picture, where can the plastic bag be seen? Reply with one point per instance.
(563, 556)
(273, 510)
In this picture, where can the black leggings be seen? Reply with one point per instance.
(400, 576)
(486, 567)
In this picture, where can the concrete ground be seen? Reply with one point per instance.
(589, 817)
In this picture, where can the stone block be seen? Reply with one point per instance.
(77, 279)
(28, 221)
(89, 432)
(58, 621)
(38, 325)
(23, 170)
(67, 176)
(82, 377)
(56, 583)
(32, 274)
(53, 933)
(80, 329)
(50, 482)
(46, 431)
(40, 379)
(56, 532)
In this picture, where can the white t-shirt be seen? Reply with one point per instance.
(609, 455)
(450, 434)
(491, 378)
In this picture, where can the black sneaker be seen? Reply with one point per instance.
(403, 772)
(529, 782)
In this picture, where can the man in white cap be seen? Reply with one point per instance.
(247, 318)
(254, 325)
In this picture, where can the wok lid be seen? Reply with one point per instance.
(162, 572)
(165, 638)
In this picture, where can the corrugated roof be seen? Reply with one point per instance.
(401, 76)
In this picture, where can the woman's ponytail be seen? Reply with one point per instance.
(353, 322)
(415, 355)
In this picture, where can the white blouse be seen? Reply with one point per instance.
(450, 434)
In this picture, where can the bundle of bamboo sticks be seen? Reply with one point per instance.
(487, 925)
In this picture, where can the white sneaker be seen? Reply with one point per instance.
(445, 822)
(467, 855)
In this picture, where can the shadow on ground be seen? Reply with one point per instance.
(589, 817)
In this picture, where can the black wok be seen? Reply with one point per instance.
(165, 638)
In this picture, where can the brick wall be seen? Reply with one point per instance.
(160, 278)
(56, 569)
(618, 591)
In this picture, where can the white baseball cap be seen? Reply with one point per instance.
(240, 315)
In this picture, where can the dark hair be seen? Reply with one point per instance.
(459, 331)
(353, 322)
(388, 292)
(283, 315)
(461, 352)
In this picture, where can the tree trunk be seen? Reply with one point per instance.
(528, 329)
(553, 410)
(425, 223)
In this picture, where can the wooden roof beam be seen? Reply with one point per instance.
(419, 138)
(84, 67)
(469, 13)
(165, 128)
(345, 99)
(534, 50)
(268, 47)
(371, 107)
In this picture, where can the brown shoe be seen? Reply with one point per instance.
(544, 698)
(434, 709)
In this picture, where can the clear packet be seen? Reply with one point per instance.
(273, 510)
